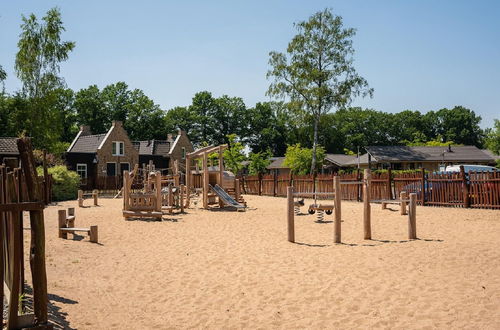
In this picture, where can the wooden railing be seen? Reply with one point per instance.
(474, 189)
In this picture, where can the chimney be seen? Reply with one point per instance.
(169, 138)
(117, 123)
(85, 130)
(181, 132)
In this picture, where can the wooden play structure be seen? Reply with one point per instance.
(21, 192)
(145, 203)
(67, 226)
(94, 194)
(337, 207)
(219, 187)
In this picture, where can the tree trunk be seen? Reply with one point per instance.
(315, 145)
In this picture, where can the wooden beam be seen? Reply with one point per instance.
(205, 180)
(290, 214)
(337, 237)
(367, 227)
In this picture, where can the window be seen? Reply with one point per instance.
(183, 153)
(118, 148)
(110, 169)
(81, 169)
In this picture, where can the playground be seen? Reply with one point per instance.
(224, 269)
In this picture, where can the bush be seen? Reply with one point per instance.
(65, 183)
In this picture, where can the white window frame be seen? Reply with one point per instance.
(116, 148)
(121, 172)
(107, 174)
(183, 153)
(79, 170)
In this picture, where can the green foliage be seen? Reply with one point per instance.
(259, 162)
(317, 70)
(65, 182)
(493, 138)
(299, 159)
(233, 156)
(37, 66)
(497, 163)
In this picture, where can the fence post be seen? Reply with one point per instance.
(358, 187)
(412, 217)
(424, 190)
(389, 184)
(275, 182)
(465, 187)
(260, 184)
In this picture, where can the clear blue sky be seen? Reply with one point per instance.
(419, 55)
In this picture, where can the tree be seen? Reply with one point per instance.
(37, 65)
(259, 162)
(317, 70)
(144, 119)
(185, 119)
(493, 138)
(233, 155)
(228, 117)
(3, 76)
(299, 159)
(90, 110)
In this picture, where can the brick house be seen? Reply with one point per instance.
(100, 159)
(101, 155)
(163, 152)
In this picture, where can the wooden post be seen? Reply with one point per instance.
(95, 194)
(158, 191)
(80, 198)
(221, 174)
(45, 179)
(126, 201)
(62, 223)
(170, 198)
(358, 187)
(37, 248)
(389, 184)
(205, 181)
(424, 190)
(93, 234)
(237, 193)
(71, 213)
(181, 196)
(260, 184)
(290, 214)
(403, 196)
(412, 217)
(188, 179)
(275, 182)
(337, 237)
(465, 187)
(366, 203)
(2, 220)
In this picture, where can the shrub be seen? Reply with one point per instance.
(65, 183)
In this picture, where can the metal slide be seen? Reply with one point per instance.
(226, 199)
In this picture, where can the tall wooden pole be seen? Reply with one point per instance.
(221, 173)
(45, 179)
(337, 237)
(366, 203)
(37, 255)
(403, 196)
(412, 217)
(205, 180)
(188, 179)
(290, 214)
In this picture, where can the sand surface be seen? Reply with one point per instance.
(222, 269)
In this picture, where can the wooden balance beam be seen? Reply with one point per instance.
(67, 225)
(94, 194)
(403, 201)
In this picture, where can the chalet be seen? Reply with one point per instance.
(9, 154)
(431, 158)
(331, 163)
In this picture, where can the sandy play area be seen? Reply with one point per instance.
(222, 269)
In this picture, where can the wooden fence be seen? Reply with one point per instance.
(474, 189)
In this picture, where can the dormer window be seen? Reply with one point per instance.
(118, 148)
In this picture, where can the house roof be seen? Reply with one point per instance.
(8, 146)
(87, 143)
(491, 154)
(276, 162)
(339, 159)
(389, 154)
(152, 147)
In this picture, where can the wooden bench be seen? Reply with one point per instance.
(94, 194)
(67, 225)
(403, 201)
